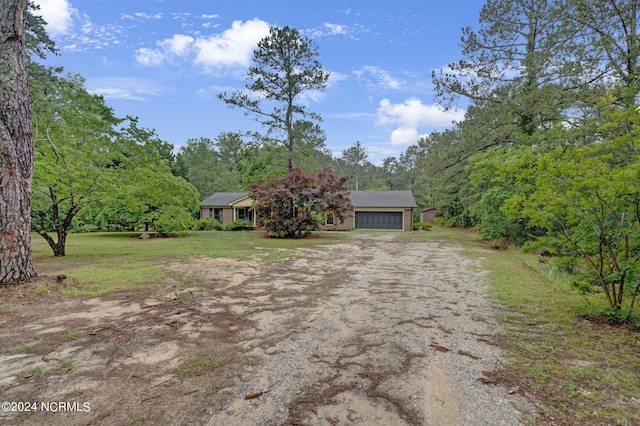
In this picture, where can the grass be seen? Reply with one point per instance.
(198, 366)
(74, 393)
(239, 316)
(15, 350)
(7, 308)
(67, 367)
(577, 371)
(97, 264)
(35, 371)
(71, 334)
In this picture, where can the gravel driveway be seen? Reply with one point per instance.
(377, 331)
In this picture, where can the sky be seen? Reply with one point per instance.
(165, 61)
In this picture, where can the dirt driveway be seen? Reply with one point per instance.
(375, 331)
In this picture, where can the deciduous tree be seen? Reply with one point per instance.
(591, 208)
(291, 207)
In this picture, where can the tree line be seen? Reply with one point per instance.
(547, 154)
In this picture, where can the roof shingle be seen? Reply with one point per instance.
(359, 199)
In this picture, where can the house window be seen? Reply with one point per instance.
(331, 219)
(210, 213)
(217, 214)
(244, 214)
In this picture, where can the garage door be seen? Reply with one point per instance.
(379, 220)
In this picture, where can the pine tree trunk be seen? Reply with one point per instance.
(16, 147)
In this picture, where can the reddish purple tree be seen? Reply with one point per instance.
(291, 207)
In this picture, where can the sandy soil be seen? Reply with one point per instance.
(376, 331)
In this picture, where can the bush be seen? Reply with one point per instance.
(207, 224)
(238, 225)
(422, 226)
(290, 207)
(173, 220)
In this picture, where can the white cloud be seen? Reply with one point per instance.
(334, 29)
(178, 44)
(377, 77)
(58, 15)
(411, 115)
(329, 29)
(142, 16)
(149, 57)
(117, 93)
(233, 47)
(404, 136)
(127, 88)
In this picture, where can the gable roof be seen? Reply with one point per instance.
(359, 199)
(382, 199)
(222, 199)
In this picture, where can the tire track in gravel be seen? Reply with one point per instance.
(375, 331)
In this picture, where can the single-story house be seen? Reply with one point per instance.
(372, 210)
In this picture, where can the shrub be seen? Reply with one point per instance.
(422, 226)
(237, 225)
(290, 207)
(208, 224)
(173, 220)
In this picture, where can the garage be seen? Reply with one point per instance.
(378, 220)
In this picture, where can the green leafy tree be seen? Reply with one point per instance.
(94, 169)
(73, 136)
(148, 194)
(587, 200)
(231, 149)
(291, 207)
(495, 176)
(512, 63)
(73, 133)
(285, 67)
(16, 146)
(207, 169)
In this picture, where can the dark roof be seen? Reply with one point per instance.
(222, 198)
(383, 199)
(360, 199)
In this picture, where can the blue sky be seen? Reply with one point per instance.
(165, 61)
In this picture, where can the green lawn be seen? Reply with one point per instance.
(99, 263)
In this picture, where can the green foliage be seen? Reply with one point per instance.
(173, 220)
(497, 175)
(237, 225)
(422, 226)
(91, 175)
(589, 204)
(355, 161)
(208, 224)
(214, 165)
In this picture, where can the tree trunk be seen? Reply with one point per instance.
(16, 147)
